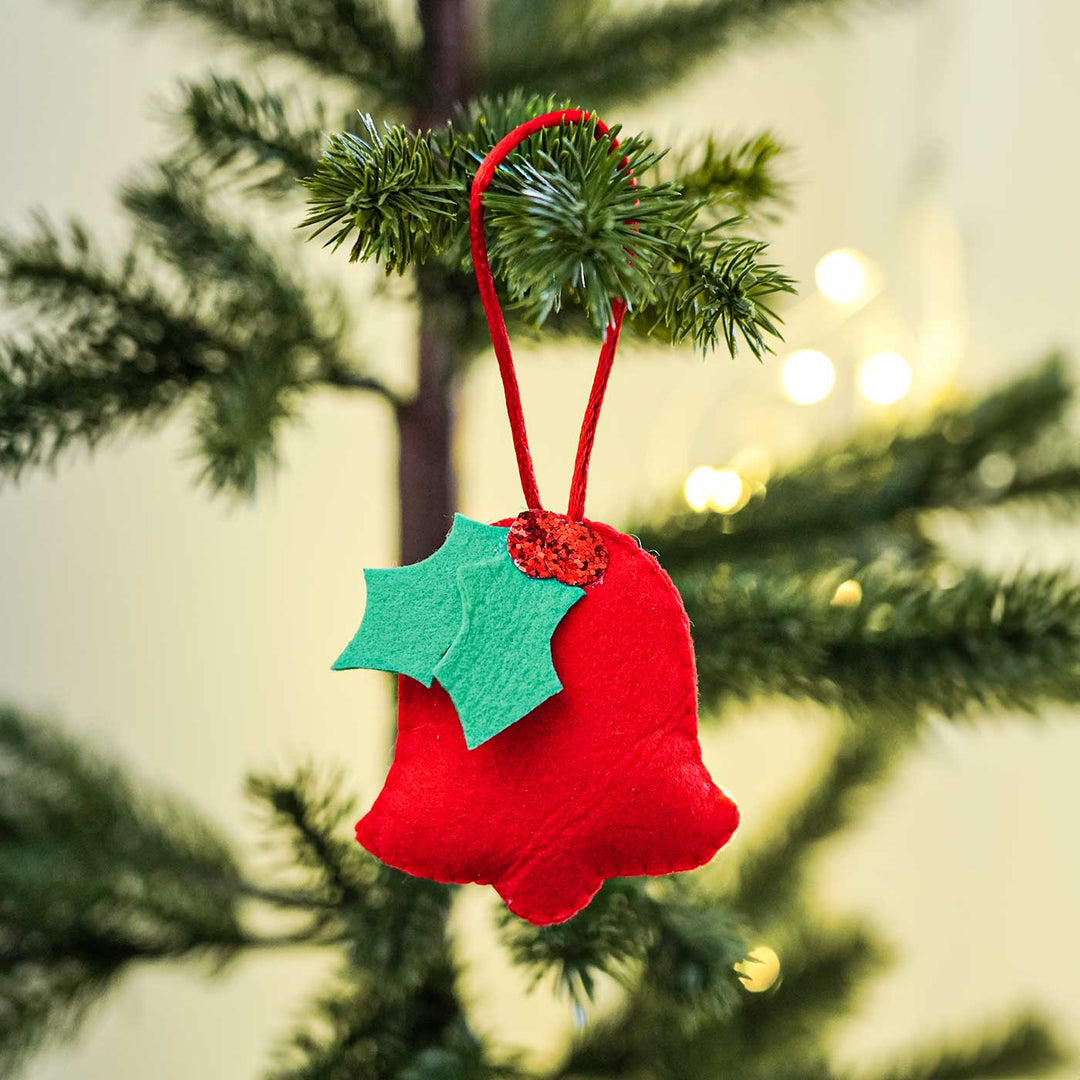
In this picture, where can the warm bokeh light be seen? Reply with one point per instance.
(843, 276)
(697, 487)
(848, 594)
(807, 376)
(726, 493)
(996, 471)
(884, 378)
(754, 464)
(760, 970)
(717, 489)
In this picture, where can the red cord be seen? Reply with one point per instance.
(497, 324)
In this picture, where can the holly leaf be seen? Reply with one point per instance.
(499, 666)
(414, 613)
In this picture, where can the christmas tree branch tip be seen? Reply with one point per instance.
(351, 40)
(562, 214)
(605, 52)
(241, 339)
(266, 140)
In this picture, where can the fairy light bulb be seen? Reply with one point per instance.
(807, 376)
(698, 487)
(884, 378)
(760, 970)
(843, 276)
(725, 490)
(848, 594)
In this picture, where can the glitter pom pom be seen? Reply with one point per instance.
(544, 544)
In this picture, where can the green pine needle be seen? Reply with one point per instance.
(660, 933)
(237, 336)
(262, 138)
(908, 646)
(740, 177)
(351, 40)
(1027, 1047)
(601, 52)
(95, 875)
(858, 498)
(567, 216)
(391, 190)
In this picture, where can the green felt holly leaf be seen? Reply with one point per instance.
(470, 618)
(499, 666)
(414, 613)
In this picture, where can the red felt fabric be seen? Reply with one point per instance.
(602, 780)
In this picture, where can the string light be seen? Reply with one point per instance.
(843, 276)
(726, 493)
(807, 376)
(697, 487)
(760, 970)
(884, 378)
(723, 490)
(848, 594)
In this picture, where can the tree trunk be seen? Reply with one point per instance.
(426, 481)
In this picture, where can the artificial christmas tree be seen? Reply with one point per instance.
(245, 341)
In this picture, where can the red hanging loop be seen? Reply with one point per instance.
(497, 324)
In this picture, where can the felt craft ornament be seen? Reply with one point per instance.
(547, 694)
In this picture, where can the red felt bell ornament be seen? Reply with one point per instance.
(547, 720)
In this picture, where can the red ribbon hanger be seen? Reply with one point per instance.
(497, 324)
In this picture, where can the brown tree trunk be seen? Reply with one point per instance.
(426, 481)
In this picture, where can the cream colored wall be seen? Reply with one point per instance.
(194, 638)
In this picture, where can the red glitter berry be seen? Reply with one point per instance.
(544, 544)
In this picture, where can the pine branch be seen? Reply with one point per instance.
(241, 339)
(262, 138)
(690, 963)
(512, 27)
(605, 56)
(715, 289)
(562, 225)
(310, 811)
(771, 873)
(558, 224)
(395, 925)
(351, 39)
(664, 933)
(653, 1035)
(823, 972)
(249, 283)
(739, 177)
(906, 645)
(394, 1004)
(830, 502)
(55, 393)
(94, 875)
(391, 190)
(248, 290)
(602, 940)
(360, 1031)
(1055, 486)
(1045, 477)
(122, 352)
(1027, 1047)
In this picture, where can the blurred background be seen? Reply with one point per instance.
(930, 144)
